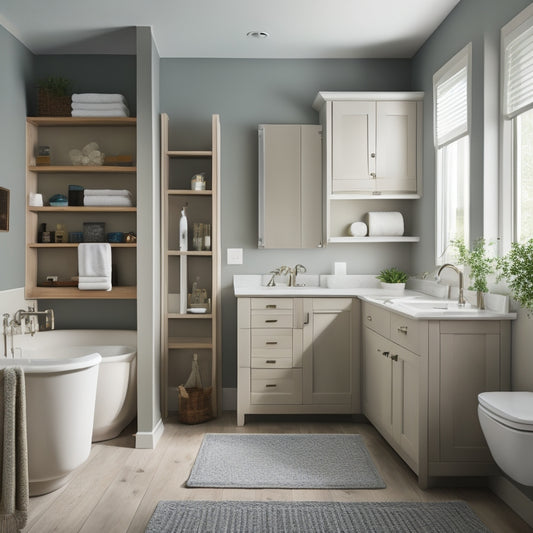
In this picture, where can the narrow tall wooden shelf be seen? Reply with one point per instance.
(183, 333)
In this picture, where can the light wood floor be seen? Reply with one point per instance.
(118, 487)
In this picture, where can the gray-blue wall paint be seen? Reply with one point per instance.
(478, 22)
(246, 93)
(16, 66)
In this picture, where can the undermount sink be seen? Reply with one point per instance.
(444, 307)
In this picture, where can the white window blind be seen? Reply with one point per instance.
(451, 93)
(518, 69)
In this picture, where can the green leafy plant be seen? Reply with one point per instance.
(481, 265)
(516, 268)
(56, 85)
(392, 275)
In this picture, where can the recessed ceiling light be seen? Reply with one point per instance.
(258, 34)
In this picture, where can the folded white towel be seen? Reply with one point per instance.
(107, 113)
(93, 286)
(103, 98)
(102, 201)
(94, 259)
(106, 192)
(358, 229)
(99, 107)
(386, 223)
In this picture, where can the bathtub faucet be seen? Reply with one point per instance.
(45, 318)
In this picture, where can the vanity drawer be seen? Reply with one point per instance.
(268, 342)
(405, 332)
(278, 318)
(276, 386)
(271, 303)
(376, 318)
(273, 361)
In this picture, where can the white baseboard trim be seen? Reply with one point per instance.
(229, 399)
(513, 497)
(148, 439)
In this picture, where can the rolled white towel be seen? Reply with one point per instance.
(386, 223)
(117, 201)
(99, 98)
(106, 192)
(100, 113)
(358, 229)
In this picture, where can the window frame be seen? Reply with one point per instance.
(461, 60)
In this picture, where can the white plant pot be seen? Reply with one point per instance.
(396, 287)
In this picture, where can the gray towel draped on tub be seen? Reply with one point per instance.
(14, 495)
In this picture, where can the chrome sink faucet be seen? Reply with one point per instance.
(461, 299)
(293, 273)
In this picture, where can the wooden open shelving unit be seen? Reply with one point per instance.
(183, 333)
(116, 134)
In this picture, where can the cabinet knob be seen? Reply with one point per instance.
(403, 329)
(369, 318)
(373, 175)
(373, 155)
(386, 354)
(394, 357)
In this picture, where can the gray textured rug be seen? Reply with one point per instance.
(313, 517)
(291, 461)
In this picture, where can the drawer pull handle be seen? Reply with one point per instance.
(369, 318)
(403, 329)
(271, 361)
(386, 354)
(306, 321)
(271, 306)
(394, 357)
(271, 321)
(270, 385)
(271, 342)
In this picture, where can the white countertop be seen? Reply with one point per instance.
(428, 302)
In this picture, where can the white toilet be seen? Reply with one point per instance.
(506, 419)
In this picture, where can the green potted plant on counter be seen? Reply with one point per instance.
(392, 278)
(479, 264)
(516, 268)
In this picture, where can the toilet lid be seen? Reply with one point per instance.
(513, 406)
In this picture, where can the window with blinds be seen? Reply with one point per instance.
(451, 132)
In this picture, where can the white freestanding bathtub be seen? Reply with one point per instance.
(60, 399)
(116, 396)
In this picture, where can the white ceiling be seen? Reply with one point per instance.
(217, 28)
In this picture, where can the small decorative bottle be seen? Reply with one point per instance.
(183, 230)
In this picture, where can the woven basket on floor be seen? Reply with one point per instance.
(194, 405)
(51, 105)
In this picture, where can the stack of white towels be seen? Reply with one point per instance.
(94, 266)
(107, 197)
(99, 105)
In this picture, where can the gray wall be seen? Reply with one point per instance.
(16, 68)
(246, 93)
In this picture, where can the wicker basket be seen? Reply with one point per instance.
(194, 405)
(51, 105)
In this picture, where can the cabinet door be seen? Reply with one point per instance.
(290, 186)
(328, 356)
(405, 399)
(377, 381)
(396, 147)
(353, 146)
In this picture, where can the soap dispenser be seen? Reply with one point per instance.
(183, 230)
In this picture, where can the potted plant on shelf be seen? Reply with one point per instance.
(54, 99)
(480, 265)
(516, 268)
(392, 278)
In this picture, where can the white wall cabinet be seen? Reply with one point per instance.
(420, 385)
(297, 355)
(290, 186)
(372, 150)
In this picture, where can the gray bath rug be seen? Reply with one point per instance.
(291, 461)
(313, 517)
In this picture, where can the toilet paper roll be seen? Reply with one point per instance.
(358, 229)
(36, 199)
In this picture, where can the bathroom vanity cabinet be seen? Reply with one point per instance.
(372, 158)
(297, 355)
(420, 384)
(186, 327)
(115, 136)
